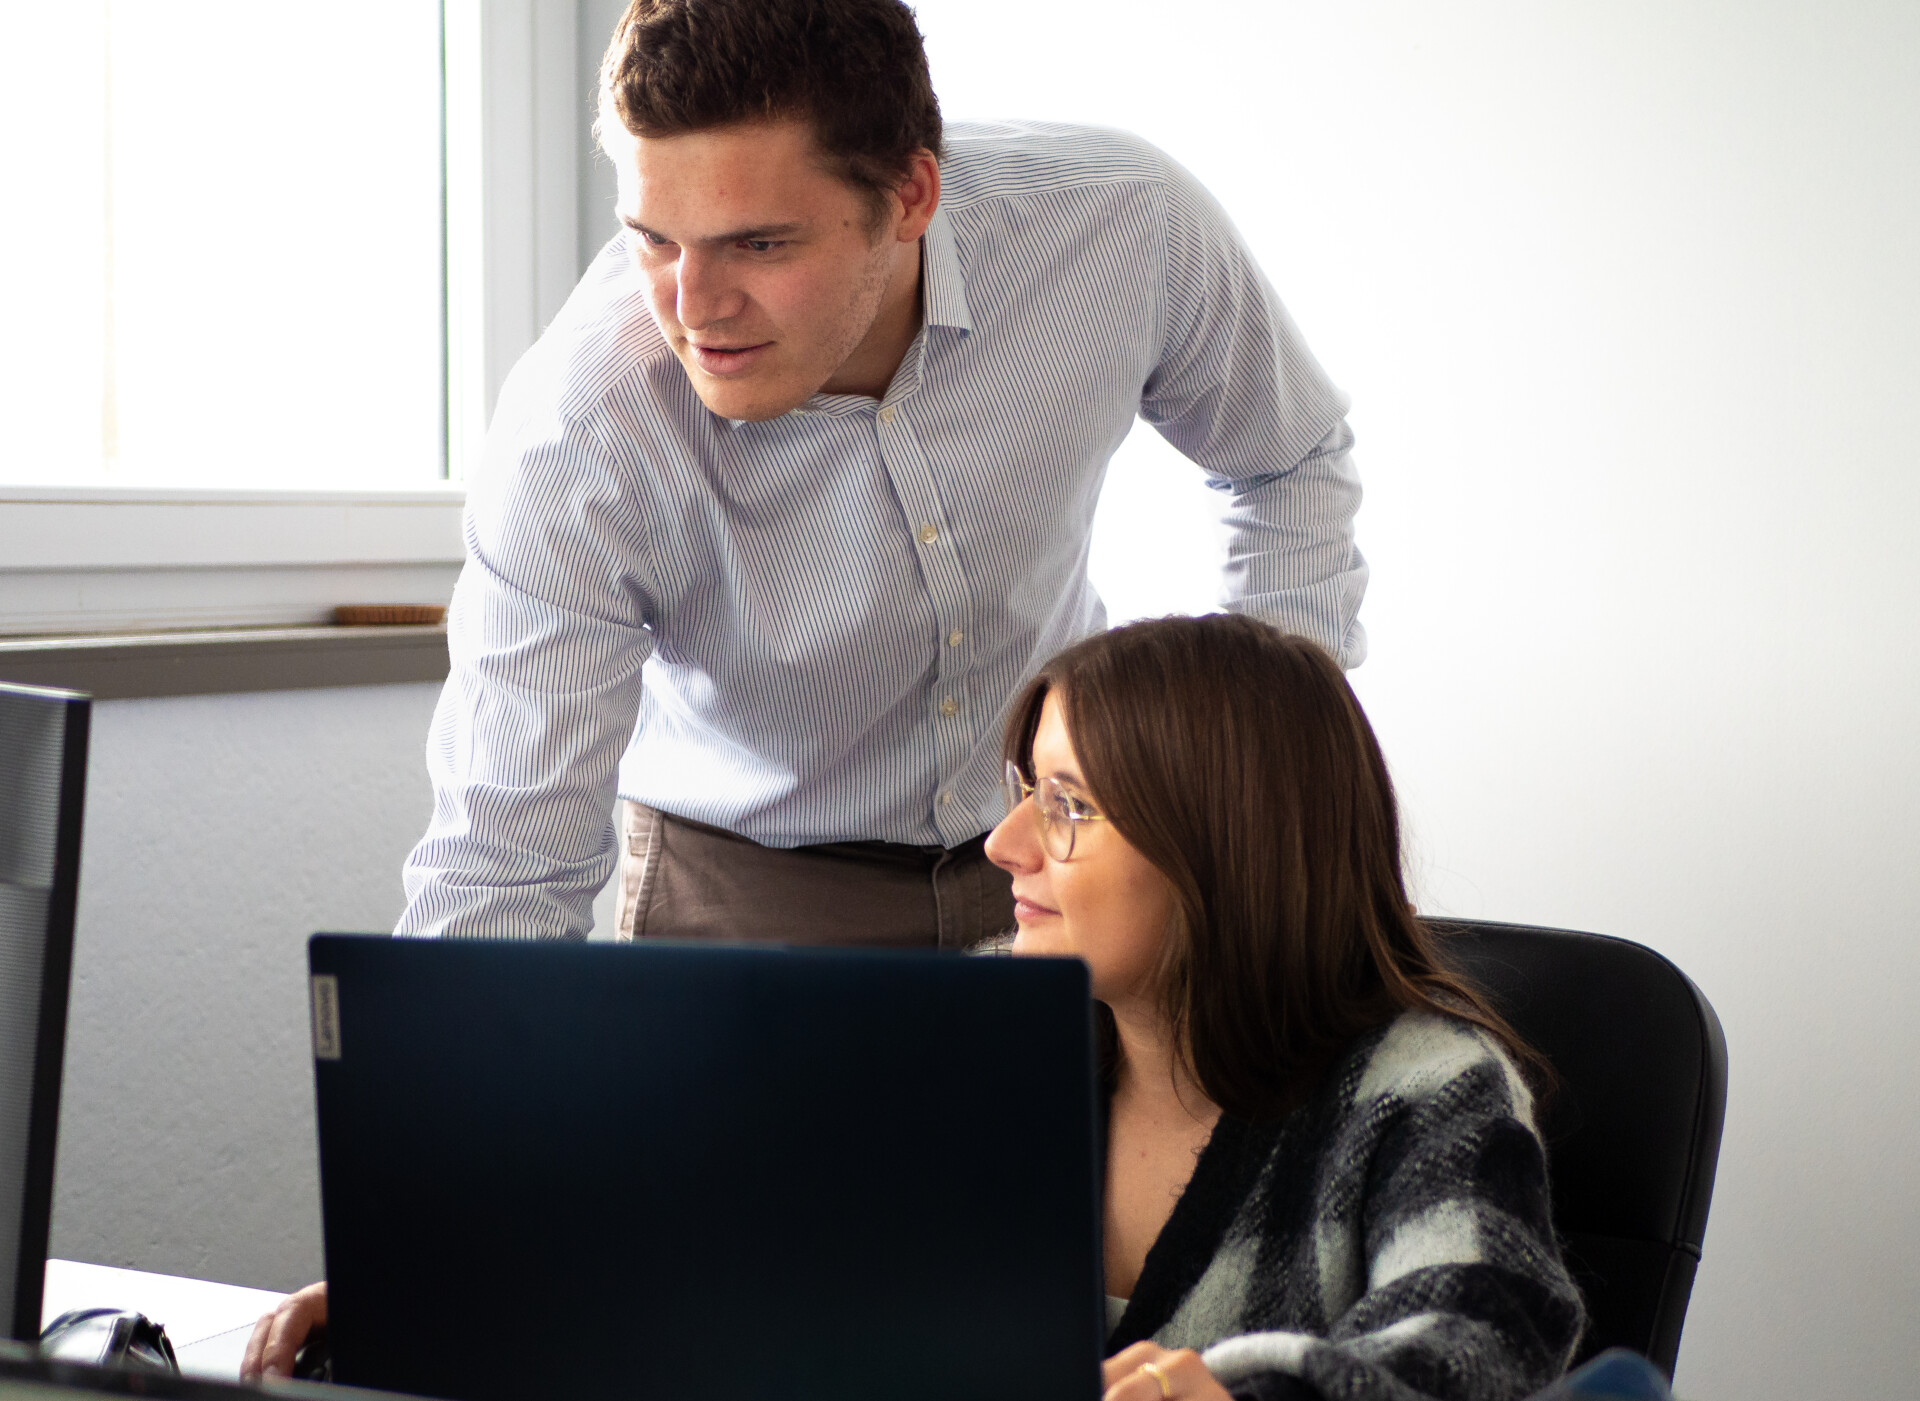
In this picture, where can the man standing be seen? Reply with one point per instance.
(797, 488)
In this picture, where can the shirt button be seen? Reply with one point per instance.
(955, 638)
(949, 706)
(928, 535)
(886, 413)
(945, 798)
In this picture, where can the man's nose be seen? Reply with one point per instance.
(703, 294)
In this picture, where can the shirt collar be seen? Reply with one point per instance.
(946, 297)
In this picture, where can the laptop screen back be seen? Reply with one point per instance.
(706, 1173)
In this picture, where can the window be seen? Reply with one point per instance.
(230, 272)
(257, 308)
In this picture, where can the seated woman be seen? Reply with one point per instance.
(1323, 1178)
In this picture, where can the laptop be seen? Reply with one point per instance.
(706, 1173)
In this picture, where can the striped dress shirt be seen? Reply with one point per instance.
(808, 629)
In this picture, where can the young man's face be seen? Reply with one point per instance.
(765, 272)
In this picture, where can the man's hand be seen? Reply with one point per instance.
(278, 1335)
(1149, 1372)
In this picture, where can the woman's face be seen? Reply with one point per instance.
(1106, 904)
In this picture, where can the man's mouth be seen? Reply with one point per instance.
(725, 360)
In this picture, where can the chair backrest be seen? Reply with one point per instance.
(1633, 1130)
(43, 774)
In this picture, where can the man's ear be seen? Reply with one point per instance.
(919, 195)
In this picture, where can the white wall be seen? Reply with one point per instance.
(1628, 300)
(221, 831)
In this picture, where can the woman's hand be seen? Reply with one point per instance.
(1149, 1372)
(278, 1335)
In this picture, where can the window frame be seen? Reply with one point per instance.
(518, 174)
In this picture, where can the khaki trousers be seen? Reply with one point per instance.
(686, 880)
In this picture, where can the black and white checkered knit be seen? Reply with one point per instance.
(1390, 1240)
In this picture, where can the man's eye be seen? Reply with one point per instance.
(759, 245)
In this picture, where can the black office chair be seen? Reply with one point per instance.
(1633, 1131)
(43, 774)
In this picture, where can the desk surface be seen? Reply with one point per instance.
(208, 1323)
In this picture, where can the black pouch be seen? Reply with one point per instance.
(109, 1338)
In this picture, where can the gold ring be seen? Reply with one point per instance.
(1152, 1369)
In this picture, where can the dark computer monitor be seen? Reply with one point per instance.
(43, 777)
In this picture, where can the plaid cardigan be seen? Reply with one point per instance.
(1390, 1240)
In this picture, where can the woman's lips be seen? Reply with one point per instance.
(1026, 911)
(724, 361)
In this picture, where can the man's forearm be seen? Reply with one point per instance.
(499, 861)
(1291, 557)
(523, 756)
(458, 887)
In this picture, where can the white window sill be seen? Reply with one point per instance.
(96, 559)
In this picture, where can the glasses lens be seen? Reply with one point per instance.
(1056, 834)
(1056, 822)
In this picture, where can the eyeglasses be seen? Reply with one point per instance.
(1060, 812)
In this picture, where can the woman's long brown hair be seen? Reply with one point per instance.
(1238, 761)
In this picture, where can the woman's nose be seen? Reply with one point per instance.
(1014, 845)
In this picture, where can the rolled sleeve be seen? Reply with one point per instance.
(1238, 392)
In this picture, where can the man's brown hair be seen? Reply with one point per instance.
(1238, 761)
(855, 69)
